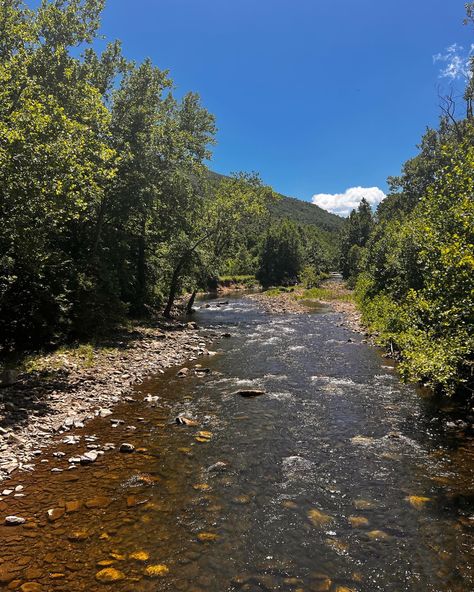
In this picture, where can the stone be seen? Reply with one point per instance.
(31, 587)
(378, 535)
(14, 520)
(418, 501)
(248, 393)
(207, 537)
(181, 420)
(55, 513)
(8, 573)
(218, 467)
(206, 435)
(126, 447)
(157, 571)
(139, 556)
(78, 535)
(182, 373)
(358, 521)
(98, 502)
(89, 457)
(103, 412)
(318, 518)
(201, 487)
(109, 575)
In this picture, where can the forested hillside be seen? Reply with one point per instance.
(300, 238)
(412, 263)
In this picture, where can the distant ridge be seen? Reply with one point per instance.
(301, 212)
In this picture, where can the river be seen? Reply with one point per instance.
(338, 478)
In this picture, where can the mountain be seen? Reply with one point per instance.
(301, 212)
(304, 212)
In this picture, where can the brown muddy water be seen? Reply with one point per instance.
(338, 478)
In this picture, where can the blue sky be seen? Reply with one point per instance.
(319, 96)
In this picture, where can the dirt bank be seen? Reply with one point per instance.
(64, 389)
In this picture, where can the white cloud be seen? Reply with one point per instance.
(344, 203)
(455, 60)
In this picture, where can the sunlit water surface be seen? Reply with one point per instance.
(339, 477)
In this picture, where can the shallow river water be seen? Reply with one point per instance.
(338, 478)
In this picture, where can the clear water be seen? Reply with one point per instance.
(339, 477)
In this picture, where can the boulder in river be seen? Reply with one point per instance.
(247, 393)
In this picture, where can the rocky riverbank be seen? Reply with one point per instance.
(63, 390)
(296, 301)
(283, 303)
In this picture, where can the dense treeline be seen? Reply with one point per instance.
(313, 232)
(106, 204)
(412, 263)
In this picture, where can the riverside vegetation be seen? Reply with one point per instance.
(107, 207)
(109, 210)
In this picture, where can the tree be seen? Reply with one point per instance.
(229, 207)
(55, 163)
(281, 255)
(355, 235)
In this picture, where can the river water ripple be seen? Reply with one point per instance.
(338, 478)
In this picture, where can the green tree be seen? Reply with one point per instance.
(281, 255)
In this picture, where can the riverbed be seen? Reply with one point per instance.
(338, 478)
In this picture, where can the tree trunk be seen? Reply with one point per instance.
(140, 293)
(189, 306)
(173, 289)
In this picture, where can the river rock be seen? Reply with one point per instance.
(126, 447)
(31, 587)
(14, 520)
(109, 575)
(247, 393)
(181, 420)
(55, 513)
(89, 457)
(182, 373)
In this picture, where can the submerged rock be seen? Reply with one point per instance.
(247, 393)
(139, 556)
(55, 513)
(318, 518)
(207, 537)
(157, 571)
(418, 501)
(109, 575)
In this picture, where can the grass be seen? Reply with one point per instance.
(325, 294)
(80, 356)
(299, 293)
(238, 279)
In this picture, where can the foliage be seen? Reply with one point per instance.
(354, 236)
(281, 255)
(415, 276)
